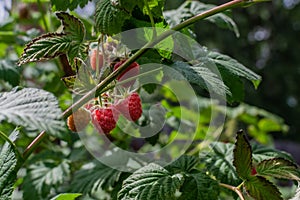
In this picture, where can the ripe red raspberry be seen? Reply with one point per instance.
(104, 119)
(131, 107)
(131, 71)
(78, 120)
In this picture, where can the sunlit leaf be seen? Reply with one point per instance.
(151, 182)
(32, 108)
(278, 168)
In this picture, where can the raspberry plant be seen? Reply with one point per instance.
(54, 164)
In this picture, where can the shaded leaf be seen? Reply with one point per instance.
(233, 66)
(43, 176)
(32, 108)
(202, 76)
(151, 182)
(93, 176)
(184, 163)
(260, 188)
(109, 18)
(9, 72)
(68, 4)
(199, 186)
(9, 165)
(218, 161)
(242, 156)
(278, 168)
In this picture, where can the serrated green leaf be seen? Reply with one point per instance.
(43, 176)
(260, 153)
(199, 186)
(260, 188)
(151, 182)
(202, 76)
(9, 72)
(233, 66)
(68, 4)
(51, 45)
(67, 196)
(9, 165)
(32, 108)
(72, 26)
(109, 18)
(192, 8)
(45, 47)
(278, 168)
(184, 163)
(218, 161)
(93, 176)
(242, 156)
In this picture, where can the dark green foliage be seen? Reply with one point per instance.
(68, 4)
(109, 18)
(9, 73)
(260, 188)
(9, 165)
(94, 176)
(242, 156)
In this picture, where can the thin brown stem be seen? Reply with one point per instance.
(235, 189)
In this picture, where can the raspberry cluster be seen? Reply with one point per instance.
(104, 115)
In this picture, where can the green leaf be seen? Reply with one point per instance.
(192, 8)
(129, 5)
(51, 45)
(278, 168)
(9, 165)
(93, 176)
(109, 18)
(9, 72)
(269, 125)
(233, 66)
(33, 109)
(297, 195)
(184, 163)
(151, 182)
(199, 186)
(44, 176)
(218, 160)
(261, 153)
(202, 76)
(242, 156)
(155, 6)
(72, 26)
(68, 4)
(67, 196)
(45, 47)
(260, 188)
